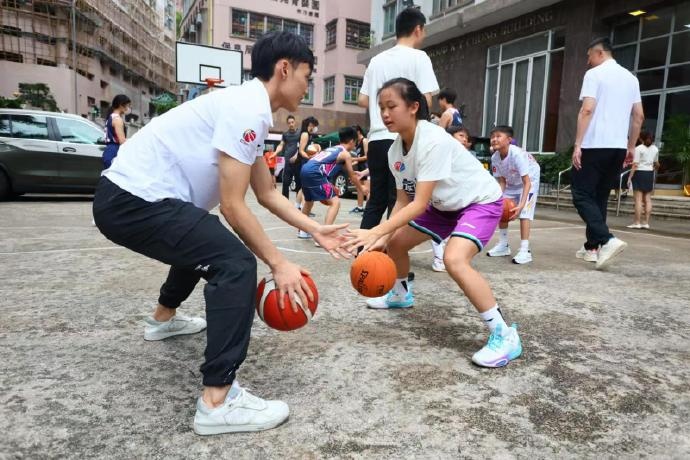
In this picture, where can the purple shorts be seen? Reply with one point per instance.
(476, 222)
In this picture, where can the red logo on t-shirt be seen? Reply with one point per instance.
(493, 169)
(399, 166)
(249, 136)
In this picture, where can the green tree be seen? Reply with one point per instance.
(37, 95)
(163, 103)
(676, 139)
(178, 22)
(7, 103)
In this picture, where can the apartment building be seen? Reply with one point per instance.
(122, 46)
(335, 30)
(521, 62)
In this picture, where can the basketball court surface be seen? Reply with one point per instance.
(604, 370)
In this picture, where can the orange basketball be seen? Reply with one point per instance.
(508, 204)
(286, 319)
(373, 273)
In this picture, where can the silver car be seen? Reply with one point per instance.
(48, 152)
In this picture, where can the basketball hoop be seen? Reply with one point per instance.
(211, 82)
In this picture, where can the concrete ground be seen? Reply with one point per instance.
(604, 372)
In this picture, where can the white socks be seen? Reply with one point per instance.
(524, 245)
(493, 318)
(503, 236)
(438, 249)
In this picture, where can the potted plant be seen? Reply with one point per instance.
(676, 140)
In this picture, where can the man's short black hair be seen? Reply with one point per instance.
(459, 129)
(407, 20)
(505, 129)
(273, 46)
(289, 117)
(347, 134)
(603, 41)
(448, 94)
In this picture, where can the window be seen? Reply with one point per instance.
(389, 13)
(273, 24)
(440, 6)
(328, 90)
(5, 126)
(357, 35)
(77, 132)
(331, 33)
(309, 95)
(239, 22)
(352, 87)
(523, 81)
(256, 25)
(656, 48)
(29, 127)
(307, 31)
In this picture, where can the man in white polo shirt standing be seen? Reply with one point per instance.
(607, 127)
(403, 60)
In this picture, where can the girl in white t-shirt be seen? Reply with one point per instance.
(641, 179)
(442, 191)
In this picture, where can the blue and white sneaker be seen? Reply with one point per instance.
(391, 300)
(500, 349)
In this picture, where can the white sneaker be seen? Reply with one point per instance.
(523, 257)
(177, 325)
(500, 250)
(608, 251)
(500, 349)
(303, 235)
(645, 226)
(391, 301)
(245, 412)
(588, 255)
(633, 226)
(437, 265)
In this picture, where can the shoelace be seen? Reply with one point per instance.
(495, 341)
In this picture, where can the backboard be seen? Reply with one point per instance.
(195, 63)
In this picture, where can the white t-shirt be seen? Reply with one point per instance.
(436, 156)
(615, 90)
(645, 157)
(516, 164)
(399, 61)
(176, 154)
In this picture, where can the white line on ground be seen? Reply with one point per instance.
(47, 251)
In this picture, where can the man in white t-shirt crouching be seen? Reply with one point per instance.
(605, 134)
(155, 200)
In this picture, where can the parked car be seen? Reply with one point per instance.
(48, 152)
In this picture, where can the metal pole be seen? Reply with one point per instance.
(74, 52)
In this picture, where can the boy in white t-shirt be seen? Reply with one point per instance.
(442, 192)
(155, 200)
(518, 174)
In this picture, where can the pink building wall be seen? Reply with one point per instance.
(340, 61)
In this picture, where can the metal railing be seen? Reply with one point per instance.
(619, 192)
(558, 186)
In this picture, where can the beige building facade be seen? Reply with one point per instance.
(122, 46)
(336, 31)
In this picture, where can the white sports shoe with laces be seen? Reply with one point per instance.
(241, 413)
(500, 349)
(177, 325)
(437, 265)
(500, 250)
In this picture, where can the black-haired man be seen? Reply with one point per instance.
(450, 115)
(287, 149)
(605, 133)
(403, 60)
(155, 200)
